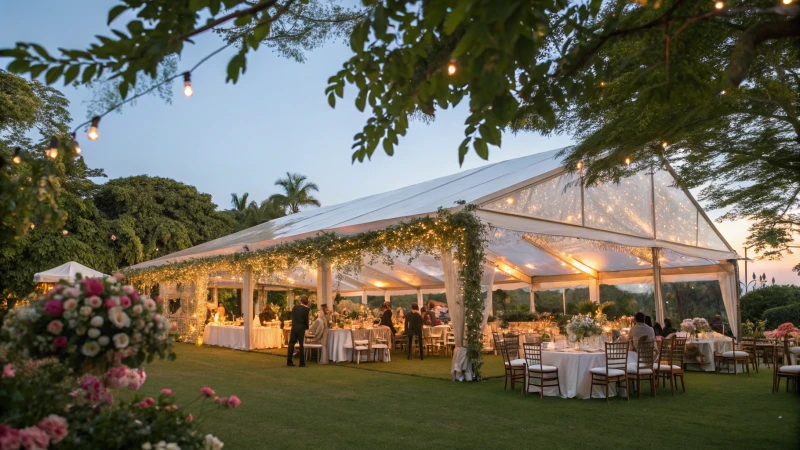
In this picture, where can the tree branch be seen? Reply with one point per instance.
(745, 48)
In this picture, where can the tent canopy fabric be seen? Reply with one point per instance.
(66, 271)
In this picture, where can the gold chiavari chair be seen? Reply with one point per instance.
(615, 370)
(546, 375)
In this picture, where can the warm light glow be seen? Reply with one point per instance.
(187, 84)
(16, 159)
(530, 266)
(451, 68)
(52, 153)
(496, 269)
(64, 232)
(719, 5)
(77, 149)
(510, 200)
(379, 284)
(723, 92)
(33, 226)
(602, 83)
(93, 134)
(627, 161)
(580, 165)
(563, 264)
(786, 2)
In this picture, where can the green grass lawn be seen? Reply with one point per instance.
(412, 404)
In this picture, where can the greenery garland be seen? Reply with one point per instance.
(429, 235)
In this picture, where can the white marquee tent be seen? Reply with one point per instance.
(545, 232)
(66, 271)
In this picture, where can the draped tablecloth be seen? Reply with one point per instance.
(337, 340)
(233, 337)
(574, 377)
(705, 353)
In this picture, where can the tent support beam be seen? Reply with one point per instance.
(513, 272)
(388, 276)
(248, 281)
(569, 260)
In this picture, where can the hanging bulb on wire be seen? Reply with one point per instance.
(451, 68)
(579, 165)
(787, 2)
(76, 146)
(627, 161)
(52, 151)
(664, 144)
(17, 159)
(187, 84)
(93, 134)
(719, 5)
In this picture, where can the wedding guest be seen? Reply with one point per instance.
(400, 314)
(640, 329)
(413, 326)
(298, 333)
(221, 311)
(426, 319)
(717, 324)
(657, 330)
(386, 318)
(318, 332)
(432, 313)
(668, 329)
(648, 321)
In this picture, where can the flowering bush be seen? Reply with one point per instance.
(784, 331)
(89, 323)
(583, 326)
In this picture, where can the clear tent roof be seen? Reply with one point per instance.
(542, 226)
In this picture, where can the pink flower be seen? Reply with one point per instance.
(55, 327)
(125, 302)
(92, 287)
(158, 300)
(206, 391)
(170, 407)
(134, 295)
(784, 329)
(117, 377)
(8, 371)
(60, 342)
(234, 401)
(110, 303)
(190, 418)
(136, 379)
(146, 403)
(128, 289)
(9, 438)
(33, 438)
(119, 276)
(90, 386)
(54, 308)
(167, 391)
(55, 427)
(94, 301)
(221, 401)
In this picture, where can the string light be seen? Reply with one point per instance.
(664, 144)
(64, 232)
(52, 152)
(92, 134)
(451, 68)
(719, 5)
(579, 165)
(627, 161)
(723, 92)
(787, 2)
(76, 146)
(602, 84)
(17, 159)
(33, 226)
(187, 84)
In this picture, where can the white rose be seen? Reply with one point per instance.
(73, 323)
(80, 331)
(136, 338)
(103, 340)
(150, 304)
(97, 321)
(72, 292)
(90, 348)
(70, 304)
(137, 309)
(147, 446)
(86, 310)
(118, 317)
(140, 324)
(173, 446)
(93, 333)
(121, 340)
(212, 443)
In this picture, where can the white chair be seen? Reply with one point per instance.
(380, 338)
(359, 343)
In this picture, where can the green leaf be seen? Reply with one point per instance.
(480, 148)
(123, 89)
(361, 100)
(37, 70)
(53, 74)
(456, 16)
(243, 20)
(197, 5)
(115, 12)
(332, 100)
(262, 31)
(19, 66)
(463, 149)
(42, 52)
(388, 147)
(88, 73)
(490, 134)
(71, 73)
(135, 27)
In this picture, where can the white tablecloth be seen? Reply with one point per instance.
(233, 337)
(337, 340)
(574, 377)
(705, 350)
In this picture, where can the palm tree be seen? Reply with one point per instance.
(297, 193)
(239, 203)
(257, 214)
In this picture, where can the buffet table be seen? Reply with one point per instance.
(233, 337)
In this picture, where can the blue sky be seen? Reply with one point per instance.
(240, 138)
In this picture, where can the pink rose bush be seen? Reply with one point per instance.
(89, 323)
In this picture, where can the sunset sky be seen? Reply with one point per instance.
(240, 138)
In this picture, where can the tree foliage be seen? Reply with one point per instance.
(753, 304)
(296, 193)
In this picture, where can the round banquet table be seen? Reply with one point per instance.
(574, 377)
(337, 340)
(705, 352)
(233, 337)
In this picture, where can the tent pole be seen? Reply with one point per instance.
(387, 297)
(420, 299)
(564, 298)
(247, 305)
(532, 306)
(659, 300)
(324, 284)
(363, 297)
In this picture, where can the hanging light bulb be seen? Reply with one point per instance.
(33, 226)
(787, 2)
(187, 84)
(579, 165)
(64, 232)
(76, 146)
(17, 159)
(627, 161)
(664, 144)
(451, 68)
(92, 134)
(719, 5)
(52, 152)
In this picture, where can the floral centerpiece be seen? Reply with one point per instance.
(583, 326)
(695, 326)
(783, 333)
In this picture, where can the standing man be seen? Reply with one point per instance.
(298, 333)
(413, 328)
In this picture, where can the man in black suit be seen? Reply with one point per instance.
(413, 328)
(298, 333)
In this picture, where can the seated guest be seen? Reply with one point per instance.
(668, 329)
(400, 314)
(648, 321)
(717, 324)
(426, 319)
(221, 311)
(432, 313)
(639, 329)
(318, 332)
(413, 326)
(657, 329)
(386, 318)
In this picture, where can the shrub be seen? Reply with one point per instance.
(782, 314)
(753, 304)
